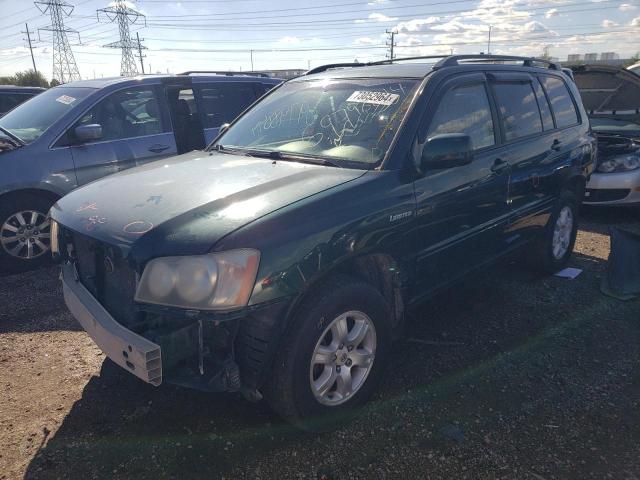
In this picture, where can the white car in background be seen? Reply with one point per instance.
(611, 96)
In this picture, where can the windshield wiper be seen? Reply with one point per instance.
(280, 155)
(19, 141)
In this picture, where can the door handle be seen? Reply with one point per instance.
(556, 145)
(158, 148)
(499, 165)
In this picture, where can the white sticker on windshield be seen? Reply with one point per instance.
(376, 98)
(66, 99)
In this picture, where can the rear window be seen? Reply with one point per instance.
(223, 102)
(518, 108)
(545, 109)
(561, 103)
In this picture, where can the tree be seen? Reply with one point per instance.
(54, 82)
(28, 78)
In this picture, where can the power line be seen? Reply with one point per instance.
(65, 68)
(124, 16)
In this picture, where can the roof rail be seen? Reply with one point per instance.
(228, 74)
(323, 68)
(452, 60)
(423, 57)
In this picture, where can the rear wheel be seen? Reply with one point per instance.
(553, 251)
(25, 232)
(333, 357)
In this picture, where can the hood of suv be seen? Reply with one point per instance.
(608, 90)
(185, 204)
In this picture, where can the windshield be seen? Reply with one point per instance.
(610, 125)
(31, 119)
(344, 120)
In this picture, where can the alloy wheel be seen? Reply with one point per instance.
(26, 234)
(343, 358)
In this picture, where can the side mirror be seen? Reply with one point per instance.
(88, 133)
(445, 151)
(223, 128)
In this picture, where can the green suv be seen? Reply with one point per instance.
(280, 261)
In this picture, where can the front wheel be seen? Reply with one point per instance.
(553, 250)
(333, 357)
(25, 232)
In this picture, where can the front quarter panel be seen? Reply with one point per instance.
(302, 243)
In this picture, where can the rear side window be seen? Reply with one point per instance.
(223, 102)
(465, 109)
(561, 103)
(518, 108)
(543, 103)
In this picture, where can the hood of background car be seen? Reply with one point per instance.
(183, 205)
(608, 90)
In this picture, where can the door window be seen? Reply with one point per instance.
(126, 114)
(465, 109)
(561, 103)
(518, 108)
(222, 102)
(543, 103)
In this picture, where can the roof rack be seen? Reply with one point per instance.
(228, 74)
(453, 60)
(445, 61)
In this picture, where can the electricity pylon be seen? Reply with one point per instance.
(122, 14)
(65, 68)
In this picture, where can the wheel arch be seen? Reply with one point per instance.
(576, 185)
(36, 192)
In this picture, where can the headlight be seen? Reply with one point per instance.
(216, 281)
(623, 163)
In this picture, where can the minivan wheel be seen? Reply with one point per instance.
(25, 232)
(332, 357)
(553, 251)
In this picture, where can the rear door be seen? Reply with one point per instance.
(133, 133)
(461, 211)
(221, 102)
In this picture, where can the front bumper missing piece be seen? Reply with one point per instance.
(131, 351)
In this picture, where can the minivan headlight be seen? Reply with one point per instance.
(623, 163)
(216, 281)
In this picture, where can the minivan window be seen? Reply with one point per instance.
(543, 103)
(465, 109)
(224, 101)
(32, 118)
(561, 103)
(350, 120)
(518, 108)
(126, 114)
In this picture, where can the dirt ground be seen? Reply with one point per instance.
(508, 375)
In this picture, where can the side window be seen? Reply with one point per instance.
(222, 102)
(126, 114)
(561, 102)
(543, 103)
(465, 109)
(518, 109)
(10, 100)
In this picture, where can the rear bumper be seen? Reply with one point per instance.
(132, 352)
(622, 188)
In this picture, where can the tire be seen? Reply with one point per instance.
(16, 214)
(290, 392)
(549, 256)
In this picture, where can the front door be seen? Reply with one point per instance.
(133, 133)
(461, 211)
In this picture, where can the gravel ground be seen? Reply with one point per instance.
(508, 375)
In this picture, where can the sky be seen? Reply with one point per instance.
(221, 34)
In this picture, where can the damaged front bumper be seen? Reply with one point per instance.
(210, 352)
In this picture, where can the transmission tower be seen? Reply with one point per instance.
(122, 14)
(65, 68)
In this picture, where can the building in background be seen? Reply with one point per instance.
(574, 58)
(285, 74)
(606, 56)
(590, 57)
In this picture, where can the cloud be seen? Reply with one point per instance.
(377, 2)
(609, 23)
(381, 17)
(417, 25)
(288, 40)
(625, 7)
(365, 41)
(551, 13)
